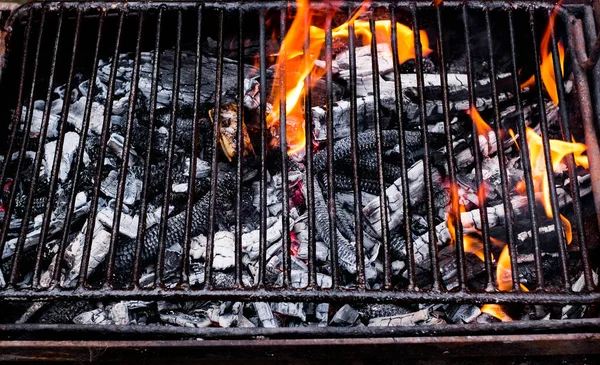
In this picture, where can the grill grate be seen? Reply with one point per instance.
(34, 71)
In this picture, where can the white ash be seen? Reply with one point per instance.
(77, 111)
(74, 252)
(37, 115)
(119, 314)
(266, 315)
(421, 317)
(133, 187)
(290, 309)
(224, 250)
(70, 144)
(116, 143)
(185, 320)
(96, 316)
(251, 240)
(202, 168)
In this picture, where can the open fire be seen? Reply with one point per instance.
(416, 181)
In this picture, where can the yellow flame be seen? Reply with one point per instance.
(298, 64)
(497, 311)
(547, 65)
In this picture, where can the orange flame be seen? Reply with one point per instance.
(298, 64)
(547, 65)
(483, 129)
(514, 138)
(473, 245)
(559, 149)
(497, 311)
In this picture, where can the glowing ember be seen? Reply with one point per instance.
(497, 311)
(547, 65)
(559, 149)
(294, 65)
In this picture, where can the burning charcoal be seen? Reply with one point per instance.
(462, 313)
(95, 316)
(266, 315)
(345, 317)
(419, 318)
(322, 313)
(369, 311)
(133, 187)
(290, 309)
(449, 268)
(202, 168)
(223, 250)
(217, 315)
(366, 142)
(74, 252)
(116, 143)
(184, 320)
(576, 311)
(346, 252)
(70, 144)
(251, 240)
(186, 92)
(228, 119)
(395, 196)
(38, 206)
(119, 313)
(76, 112)
(37, 118)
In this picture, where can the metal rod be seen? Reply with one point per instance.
(141, 233)
(310, 180)
(330, 175)
(56, 168)
(526, 171)
(406, 205)
(562, 245)
(215, 158)
(433, 242)
(14, 275)
(81, 148)
(240, 155)
(102, 153)
(121, 182)
(385, 231)
(358, 214)
(285, 211)
(504, 179)
(28, 117)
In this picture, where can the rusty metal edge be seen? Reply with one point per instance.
(321, 349)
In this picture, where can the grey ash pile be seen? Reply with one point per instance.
(171, 146)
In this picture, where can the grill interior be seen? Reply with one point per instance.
(53, 44)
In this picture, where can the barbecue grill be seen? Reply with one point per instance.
(50, 44)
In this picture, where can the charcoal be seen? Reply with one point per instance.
(184, 320)
(175, 229)
(345, 317)
(381, 310)
(462, 313)
(421, 317)
(69, 147)
(265, 314)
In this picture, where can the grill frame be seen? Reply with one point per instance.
(310, 294)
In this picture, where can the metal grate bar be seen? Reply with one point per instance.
(562, 245)
(406, 205)
(527, 172)
(28, 116)
(360, 249)
(240, 155)
(433, 241)
(385, 231)
(263, 151)
(505, 184)
(54, 177)
(285, 211)
(141, 234)
(102, 152)
(575, 191)
(14, 276)
(215, 156)
(477, 157)
(333, 238)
